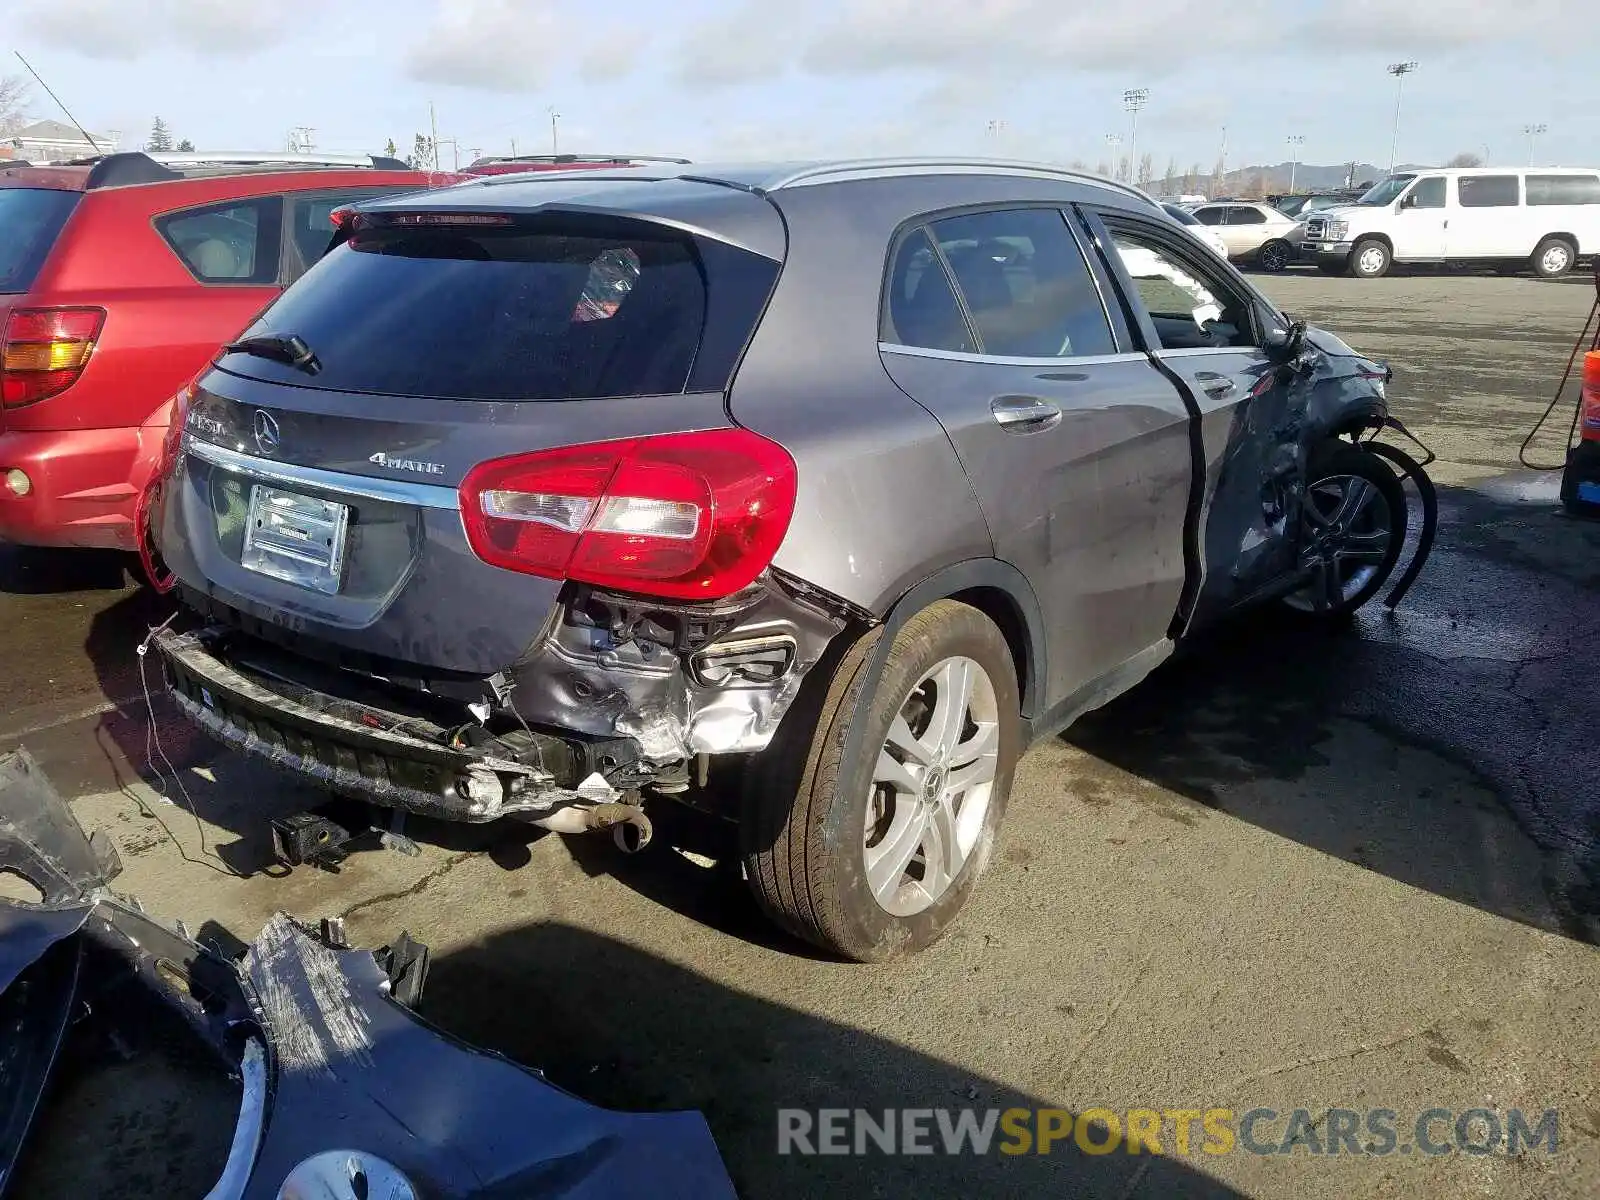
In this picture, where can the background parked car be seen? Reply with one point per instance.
(808, 495)
(517, 164)
(1300, 204)
(118, 281)
(1206, 233)
(1253, 233)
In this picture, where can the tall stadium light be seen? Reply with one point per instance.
(1399, 70)
(1533, 132)
(1296, 140)
(1133, 100)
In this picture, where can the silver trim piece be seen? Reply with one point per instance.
(247, 1130)
(1208, 351)
(393, 491)
(888, 168)
(1000, 360)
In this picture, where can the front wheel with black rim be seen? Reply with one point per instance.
(1352, 528)
(1370, 259)
(1275, 256)
(868, 846)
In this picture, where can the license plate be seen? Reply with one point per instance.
(295, 538)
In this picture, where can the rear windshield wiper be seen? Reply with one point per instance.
(287, 348)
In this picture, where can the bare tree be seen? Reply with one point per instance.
(1192, 180)
(1078, 164)
(1219, 177)
(1147, 170)
(13, 102)
(1125, 169)
(1466, 159)
(1171, 177)
(1103, 168)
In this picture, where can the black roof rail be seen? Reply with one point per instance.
(118, 170)
(383, 162)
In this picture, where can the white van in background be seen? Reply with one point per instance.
(1543, 218)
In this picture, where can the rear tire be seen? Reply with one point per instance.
(1370, 259)
(1553, 258)
(820, 834)
(1275, 257)
(1352, 529)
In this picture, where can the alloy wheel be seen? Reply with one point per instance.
(1556, 260)
(931, 787)
(1348, 528)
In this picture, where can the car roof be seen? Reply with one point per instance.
(774, 176)
(1498, 171)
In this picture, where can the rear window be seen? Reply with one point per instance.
(30, 219)
(1563, 189)
(541, 309)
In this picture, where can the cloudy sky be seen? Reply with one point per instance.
(782, 78)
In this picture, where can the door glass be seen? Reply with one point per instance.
(1428, 194)
(920, 308)
(1210, 216)
(1246, 215)
(1488, 191)
(1026, 284)
(311, 226)
(1189, 307)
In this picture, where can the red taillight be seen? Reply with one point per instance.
(172, 442)
(1591, 396)
(44, 350)
(684, 516)
(339, 218)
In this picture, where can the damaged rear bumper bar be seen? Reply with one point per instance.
(365, 753)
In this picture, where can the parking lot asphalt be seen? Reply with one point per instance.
(1288, 871)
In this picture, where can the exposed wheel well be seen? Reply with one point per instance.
(1568, 238)
(1377, 237)
(998, 605)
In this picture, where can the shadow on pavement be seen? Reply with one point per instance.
(624, 1028)
(1484, 677)
(40, 571)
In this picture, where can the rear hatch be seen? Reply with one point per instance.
(323, 498)
(31, 219)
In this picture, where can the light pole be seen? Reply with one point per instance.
(1133, 100)
(1399, 70)
(555, 137)
(1296, 140)
(1114, 140)
(1533, 132)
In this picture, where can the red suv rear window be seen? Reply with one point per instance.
(30, 219)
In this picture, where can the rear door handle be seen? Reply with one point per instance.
(1024, 414)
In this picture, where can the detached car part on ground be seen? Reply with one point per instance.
(343, 1092)
(809, 499)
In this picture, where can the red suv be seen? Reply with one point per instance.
(118, 281)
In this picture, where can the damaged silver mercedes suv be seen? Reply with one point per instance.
(810, 495)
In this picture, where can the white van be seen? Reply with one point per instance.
(1545, 218)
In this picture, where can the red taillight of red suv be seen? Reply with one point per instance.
(44, 350)
(684, 516)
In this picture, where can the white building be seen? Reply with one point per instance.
(53, 141)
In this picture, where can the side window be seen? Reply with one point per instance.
(921, 307)
(1427, 194)
(1190, 308)
(310, 227)
(1025, 284)
(1246, 214)
(1563, 189)
(1210, 216)
(237, 242)
(1488, 191)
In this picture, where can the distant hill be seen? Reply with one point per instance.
(1265, 179)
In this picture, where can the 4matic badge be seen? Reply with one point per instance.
(407, 464)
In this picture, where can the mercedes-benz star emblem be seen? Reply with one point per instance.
(266, 432)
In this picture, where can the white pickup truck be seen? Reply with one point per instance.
(1543, 218)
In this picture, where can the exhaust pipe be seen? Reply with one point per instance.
(630, 828)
